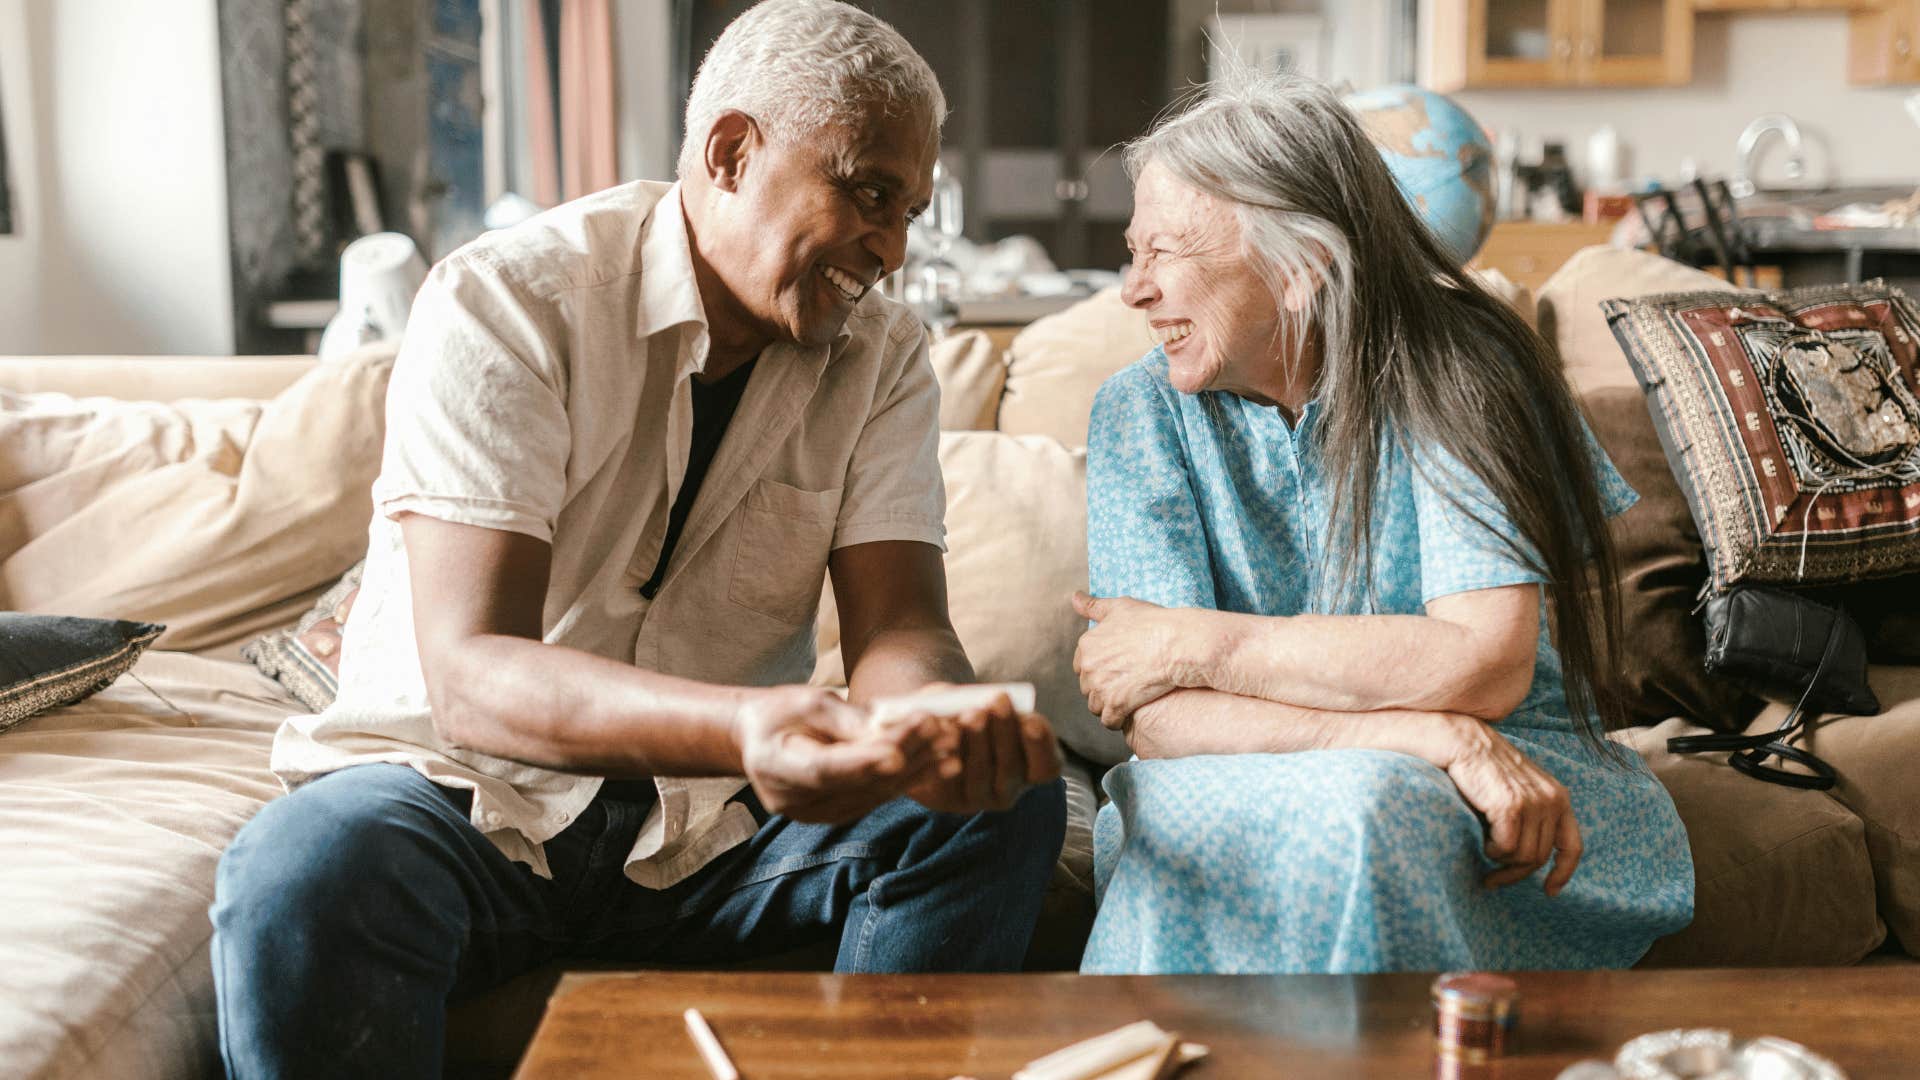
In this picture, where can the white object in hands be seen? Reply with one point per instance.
(951, 702)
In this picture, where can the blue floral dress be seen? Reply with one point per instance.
(1337, 860)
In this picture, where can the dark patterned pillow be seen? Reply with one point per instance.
(47, 661)
(1792, 423)
(306, 659)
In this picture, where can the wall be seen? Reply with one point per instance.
(643, 53)
(1353, 36)
(20, 250)
(1743, 65)
(124, 183)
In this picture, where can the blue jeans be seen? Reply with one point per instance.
(347, 914)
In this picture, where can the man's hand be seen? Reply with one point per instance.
(1136, 655)
(813, 757)
(1529, 815)
(999, 753)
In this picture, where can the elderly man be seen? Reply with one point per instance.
(626, 441)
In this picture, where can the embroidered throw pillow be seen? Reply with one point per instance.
(306, 659)
(47, 661)
(1792, 423)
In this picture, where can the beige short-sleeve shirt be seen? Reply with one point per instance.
(543, 389)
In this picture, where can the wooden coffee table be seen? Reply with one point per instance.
(787, 1025)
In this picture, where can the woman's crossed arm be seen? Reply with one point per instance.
(1472, 653)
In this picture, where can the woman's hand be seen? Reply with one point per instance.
(1137, 654)
(1529, 816)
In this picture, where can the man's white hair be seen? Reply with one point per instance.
(800, 66)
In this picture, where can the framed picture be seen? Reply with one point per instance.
(1295, 43)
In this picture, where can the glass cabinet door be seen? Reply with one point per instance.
(1517, 42)
(1634, 42)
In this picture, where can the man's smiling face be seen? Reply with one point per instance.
(822, 221)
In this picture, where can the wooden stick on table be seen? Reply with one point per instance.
(709, 1046)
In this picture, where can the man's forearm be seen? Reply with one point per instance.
(1187, 723)
(565, 709)
(904, 659)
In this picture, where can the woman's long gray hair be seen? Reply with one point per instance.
(1412, 349)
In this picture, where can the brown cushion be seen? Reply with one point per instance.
(971, 372)
(1793, 424)
(1878, 758)
(1781, 875)
(231, 535)
(1660, 669)
(1568, 307)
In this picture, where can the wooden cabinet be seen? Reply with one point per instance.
(1783, 5)
(1881, 43)
(1539, 43)
(1529, 252)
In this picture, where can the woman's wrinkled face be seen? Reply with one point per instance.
(1190, 273)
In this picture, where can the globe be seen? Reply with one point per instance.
(1441, 159)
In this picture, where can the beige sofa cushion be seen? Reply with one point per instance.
(1016, 550)
(113, 814)
(1568, 308)
(1782, 875)
(1056, 365)
(1878, 759)
(971, 371)
(220, 519)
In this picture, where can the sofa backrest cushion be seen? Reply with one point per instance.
(1568, 307)
(1016, 550)
(221, 519)
(1660, 669)
(1056, 365)
(971, 371)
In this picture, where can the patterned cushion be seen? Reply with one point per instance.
(306, 659)
(1791, 421)
(47, 661)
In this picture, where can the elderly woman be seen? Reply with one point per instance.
(1331, 519)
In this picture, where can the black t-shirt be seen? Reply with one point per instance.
(713, 407)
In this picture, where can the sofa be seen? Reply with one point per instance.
(222, 496)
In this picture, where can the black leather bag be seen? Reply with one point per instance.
(1786, 647)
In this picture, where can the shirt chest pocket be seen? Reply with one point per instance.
(785, 535)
